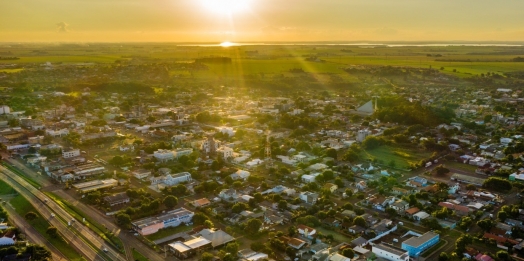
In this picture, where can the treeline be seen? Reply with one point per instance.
(9, 58)
(401, 111)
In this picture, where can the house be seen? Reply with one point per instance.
(141, 173)
(309, 197)
(483, 257)
(203, 202)
(453, 188)
(359, 242)
(240, 175)
(273, 219)
(164, 155)
(216, 236)
(171, 179)
(400, 191)
(356, 229)
(331, 187)
(383, 227)
(390, 252)
(400, 206)
(380, 202)
(228, 194)
(459, 210)
(293, 242)
(117, 199)
(71, 153)
(411, 211)
(417, 245)
(421, 215)
(361, 185)
(306, 231)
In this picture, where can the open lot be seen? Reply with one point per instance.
(401, 156)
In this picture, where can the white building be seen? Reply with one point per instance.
(172, 179)
(181, 152)
(4, 109)
(57, 133)
(71, 153)
(164, 155)
(225, 152)
(390, 252)
(362, 134)
(240, 174)
(226, 130)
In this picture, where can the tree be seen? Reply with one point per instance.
(282, 204)
(170, 201)
(239, 207)
(31, 150)
(123, 220)
(38, 253)
(503, 255)
(497, 184)
(371, 142)
(471, 187)
(232, 248)
(30, 216)
(199, 218)
(486, 224)
(348, 252)
(331, 153)
(351, 156)
(360, 221)
(443, 256)
(502, 215)
(208, 224)
(440, 170)
(52, 231)
(253, 226)
(465, 222)
(292, 231)
(206, 256)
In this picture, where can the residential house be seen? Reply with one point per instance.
(240, 175)
(199, 203)
(228, 194)
(141, 173)
(306, 231)
(400, 206)
(309, 197)
(117, 199)
(331, 187)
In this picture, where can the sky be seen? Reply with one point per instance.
(260, 20)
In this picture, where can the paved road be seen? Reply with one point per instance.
(129, 240)
(31, 234)
(77, 234)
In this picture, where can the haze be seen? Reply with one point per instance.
(260, 20)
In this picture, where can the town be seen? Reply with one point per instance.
(155, 159)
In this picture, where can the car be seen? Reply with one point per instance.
(45, 200)
(136, 234)
(105, 250)
(52, 214)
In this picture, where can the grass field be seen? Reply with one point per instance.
(460, 166)
(11, 70)
(165, 232)
(6, 189)
(22, 206)
(138, 257)
(401, 156)
(337, 236)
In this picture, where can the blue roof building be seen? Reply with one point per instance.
(416, 245)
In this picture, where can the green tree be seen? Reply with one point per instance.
(170, 201)
(123, 220)
(30, 216)
(359, 221)
(440, 170)
(208, 224)
(52, 232)
(348, 252)
(486, 224)
(443, 256)
(253, 226)
(503, 255)
(199, 218)
(206, 256)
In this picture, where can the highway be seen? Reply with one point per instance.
(129, 240)
(82, 238)
(31, 234)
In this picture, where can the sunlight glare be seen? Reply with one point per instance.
(226, 6)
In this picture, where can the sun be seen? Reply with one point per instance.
(227, 44)
(226, 6)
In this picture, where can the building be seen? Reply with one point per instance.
(71, 153)
(203, 202)
(173, 218)
(183, 152)
(89, 186)
(416, 245)
(117, 199)
(172, 179)
(217, 237)
(88, 169)
(225, 152)
(306, 231)
(141, 173)
(164, 155)
(390, 252)
(362, 134)
(309, 197)
(189, 248)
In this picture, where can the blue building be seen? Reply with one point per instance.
(416, 245)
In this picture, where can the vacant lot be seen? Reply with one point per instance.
(401, 156)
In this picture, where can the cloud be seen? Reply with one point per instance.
(62, 27)
(386, 31)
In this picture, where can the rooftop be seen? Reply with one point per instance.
(417, 241)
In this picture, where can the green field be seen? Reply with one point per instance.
(138, 257)
(6, 189)
(165, 232)
(336, 236)
(401, 156)
(460, 166)
(22, 206)
(10, 70)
